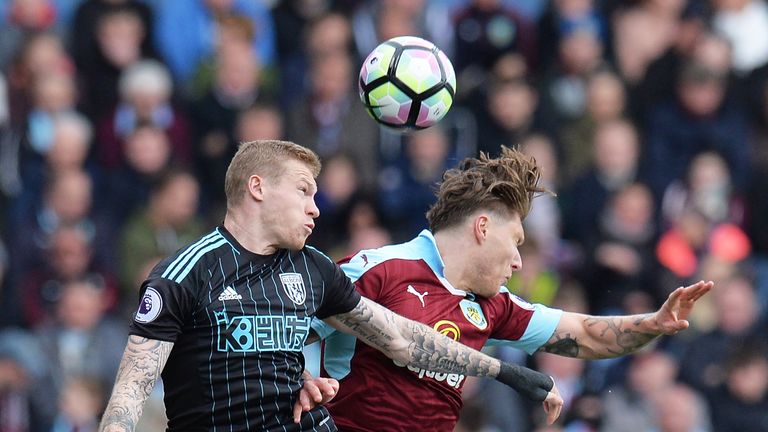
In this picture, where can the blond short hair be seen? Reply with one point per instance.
(263, 157)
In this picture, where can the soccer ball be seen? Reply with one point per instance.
(407, 83)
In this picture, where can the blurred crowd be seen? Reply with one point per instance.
(649, 119)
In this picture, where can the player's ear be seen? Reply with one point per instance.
(255, 187)
(481, 228)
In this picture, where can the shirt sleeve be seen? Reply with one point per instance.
(163, 309)
(523, 325)
(339, 295)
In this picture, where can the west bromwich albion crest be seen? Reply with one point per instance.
(473, 313)
(293, 285)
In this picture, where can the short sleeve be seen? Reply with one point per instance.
(521, 324)
(339, 295)
(163, 309)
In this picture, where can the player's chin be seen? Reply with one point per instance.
(489, 292)
(300, 241)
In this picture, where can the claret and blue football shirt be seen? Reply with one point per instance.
(376, 394)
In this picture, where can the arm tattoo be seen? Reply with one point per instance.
(562, 344)
(142, 362)
(413, 343)
(603, 337)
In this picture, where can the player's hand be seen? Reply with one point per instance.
(316, 391)
(531, 384)
(672, 317)
(553, 405)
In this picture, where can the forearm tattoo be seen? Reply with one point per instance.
(413, 343)
(605, 337)
(140, 368)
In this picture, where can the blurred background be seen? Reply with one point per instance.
(649, 119)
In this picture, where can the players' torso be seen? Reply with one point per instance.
(395, 395)
(237, 360)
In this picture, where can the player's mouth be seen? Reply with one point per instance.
(309, 227)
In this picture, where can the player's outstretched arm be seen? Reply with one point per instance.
(411, 343)
(143, 360)
(597, 337)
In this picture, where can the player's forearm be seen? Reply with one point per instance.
(408, 342)
(604, 336)
(142, 362)
(411, 343)
(432, 351)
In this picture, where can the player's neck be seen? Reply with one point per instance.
(248, 234)
(453, 253)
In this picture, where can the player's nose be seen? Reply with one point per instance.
(313, 211)
(517, 262)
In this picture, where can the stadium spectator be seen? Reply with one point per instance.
(681, 409)
(329, 119)
(80, 404)
(81, 340)
(337, 189)
(145, 99)
(741, 403)
(708, 189)
(70, 144)
(619, 255)
(67, 202)
(168, 222)
(508, 115)
(561, 15)
(186, 32)
(606, 102)
(146, 153)
(25, 399)
(693, 240)
(22, 17)
(487, 29)
(53, 94)
(406, 187)
(108, 35)
(642, 32)
(319, 34)
(563, 85)
(699, 118)
(122, 41)
(39, 54)
(237, 85)
(615, 158)
(375, 22)
(738, 21)
(660, 78)
(630, 405)
(259, 122)
(69, 258)
(737, 319)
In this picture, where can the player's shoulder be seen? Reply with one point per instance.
(177, 266)
(506, 296)
(419, 248)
